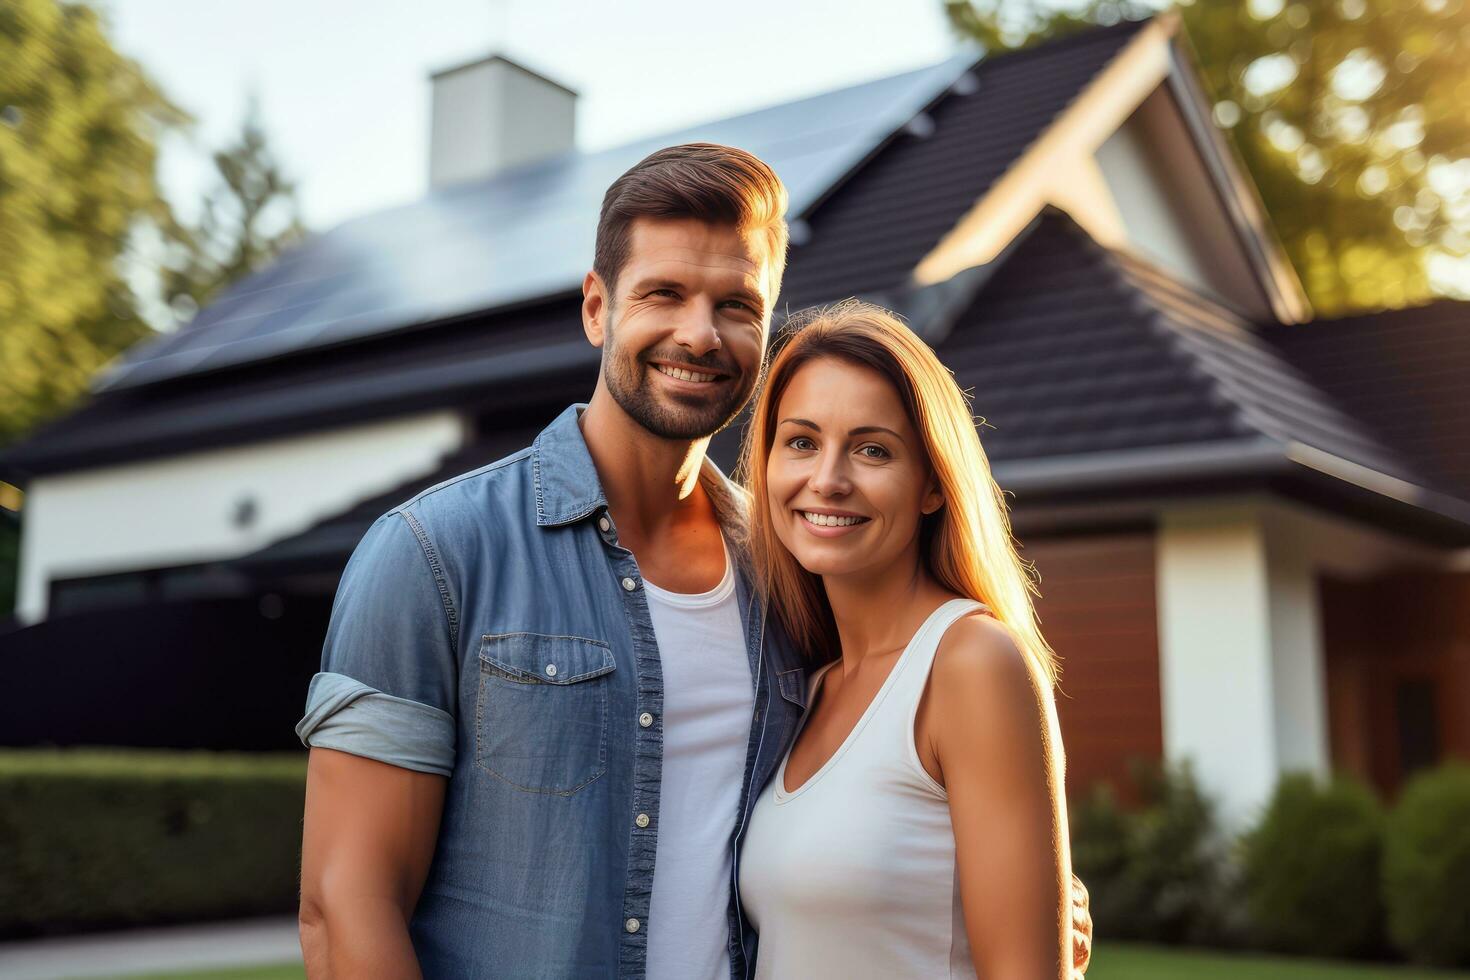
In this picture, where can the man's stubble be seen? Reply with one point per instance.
(627, 379)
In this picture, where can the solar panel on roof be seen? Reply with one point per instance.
(515, 237)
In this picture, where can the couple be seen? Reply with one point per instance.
(594, 711)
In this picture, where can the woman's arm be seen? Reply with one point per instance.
(992, 722)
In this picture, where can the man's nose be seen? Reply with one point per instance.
(696, 331)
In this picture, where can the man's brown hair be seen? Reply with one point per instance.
(705, 181)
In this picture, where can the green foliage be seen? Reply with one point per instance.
(79, 130)
(1154, 873)
(1426, 867)
(1128, 961)
(107, 838)
(1348, 114)
(246, 221)
(1101, 852)
(1311, 869)
(78, 125)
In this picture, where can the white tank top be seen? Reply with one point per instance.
(852, 874)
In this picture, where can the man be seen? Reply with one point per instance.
(549, 695)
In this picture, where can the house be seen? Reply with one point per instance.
(1252, 528)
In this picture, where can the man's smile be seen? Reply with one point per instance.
(687, 374)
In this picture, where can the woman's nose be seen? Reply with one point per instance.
(830, 478)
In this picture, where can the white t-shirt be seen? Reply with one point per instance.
(708, 700)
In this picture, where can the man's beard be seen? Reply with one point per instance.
(670, 416)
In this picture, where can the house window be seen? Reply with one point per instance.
(1418, 725)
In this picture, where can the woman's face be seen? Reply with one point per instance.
(847, 478)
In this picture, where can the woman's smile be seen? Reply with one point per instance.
(826, 523)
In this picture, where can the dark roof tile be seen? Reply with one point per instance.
(1074, 349)
(1403, 374)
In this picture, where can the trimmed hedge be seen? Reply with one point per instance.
(1426, 867)
(102, 838)
(1311, 869)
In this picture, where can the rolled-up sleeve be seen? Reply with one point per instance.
(386, 689)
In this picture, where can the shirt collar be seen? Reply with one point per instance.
(568, 490)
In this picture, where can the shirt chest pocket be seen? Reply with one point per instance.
(541, 714)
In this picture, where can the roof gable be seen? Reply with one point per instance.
(1137, 161)
(873, 231)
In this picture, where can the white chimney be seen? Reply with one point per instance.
(494, 114)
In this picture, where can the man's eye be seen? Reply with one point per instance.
(664, 292)
(740, 304)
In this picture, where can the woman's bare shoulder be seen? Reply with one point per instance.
(980, 662)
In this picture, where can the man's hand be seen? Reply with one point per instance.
(1081, 928)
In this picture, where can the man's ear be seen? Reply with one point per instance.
(596, 308)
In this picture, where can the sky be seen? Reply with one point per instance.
(344, 87)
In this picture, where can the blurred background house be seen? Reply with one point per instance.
(1251, 523)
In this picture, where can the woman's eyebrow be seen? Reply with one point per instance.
(861, 430)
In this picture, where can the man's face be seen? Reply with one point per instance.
(684, 329)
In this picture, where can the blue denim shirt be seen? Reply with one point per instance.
(492, 630)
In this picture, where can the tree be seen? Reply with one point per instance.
(248, 219)
(1349, 115)
(79, 125)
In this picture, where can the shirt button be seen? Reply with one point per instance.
(551, 670)
(645, 719)
(641, 820)
(629, 584)
(631, 925)
(605, 525)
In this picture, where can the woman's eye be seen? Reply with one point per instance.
(801, 444)
(739, 305)
(874, 452)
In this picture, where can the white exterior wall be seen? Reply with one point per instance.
(1243, 672)
(182, 509)
(1299, 671)
(1215, 654)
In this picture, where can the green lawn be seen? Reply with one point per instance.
(1120, 961)
(1124, 961)
(291, 971)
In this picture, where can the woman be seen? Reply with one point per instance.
(917, 827)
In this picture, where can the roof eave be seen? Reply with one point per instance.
(1274, 271)
(1101, 479)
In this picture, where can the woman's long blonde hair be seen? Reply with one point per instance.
(967, 545)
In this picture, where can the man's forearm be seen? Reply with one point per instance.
(361, 938)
